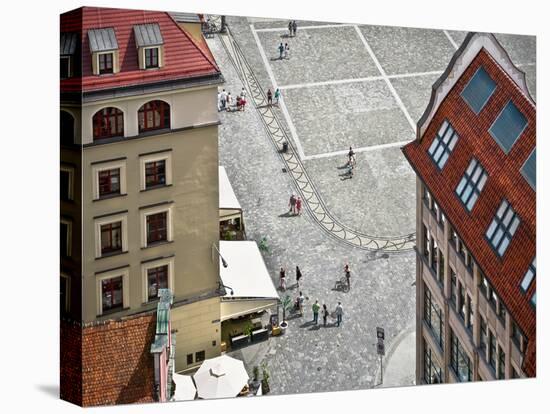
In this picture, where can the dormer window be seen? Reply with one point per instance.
(104, 48)
(149, 43)
(68, 42)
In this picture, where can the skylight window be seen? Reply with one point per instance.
(529, 169)
(479, 90)
(502, 228)
(508, 126)
(529, 276)
(471, 184)
(443, 144)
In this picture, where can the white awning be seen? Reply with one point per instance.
(247, 275)
(227, 198)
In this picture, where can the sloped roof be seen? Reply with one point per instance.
(183, 58)
(102, 40)
(148, 35)
(504, 170)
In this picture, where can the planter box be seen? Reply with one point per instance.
(260, 335)
(240, 340)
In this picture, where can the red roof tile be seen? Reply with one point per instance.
(183, 58)
(505, 181)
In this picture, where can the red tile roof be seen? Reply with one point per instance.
(505, 181)
(183, 58)
(108, 363)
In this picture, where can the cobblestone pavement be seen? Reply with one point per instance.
(317, 359)
(308, 358)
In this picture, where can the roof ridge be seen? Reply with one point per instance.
(188, 35)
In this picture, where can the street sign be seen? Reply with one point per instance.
(380, 348)
(380, 333)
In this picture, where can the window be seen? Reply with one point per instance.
(508, 126)
(501, 311)
(443, 144)
(483, 336)
(65, 237)
(483, 284)
(433, 248)
(111, 235)
(64, 294)
(109, 182)
(462, 302)
(199, 356)
(434, 317)
(154, 115)
(432, 371)
(66, 183)
(108, 122)
(529, 169)
(111, 238)
(441, 269)
(65, 67)
(517, 337)
(501, 363)
(460, 362)
(66, 128)
(453, 288)
(479, 90)
(426, 241)
(470, 308)
(472, 182)
(502, 228)
(492, 350)
(157, 278)
(157, 230)
(152, 58)
(105, 63)
(534, 299)
(189, 359)
(155, 173)
(111, 294)
(529, 276)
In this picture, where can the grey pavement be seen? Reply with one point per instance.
(400, 363)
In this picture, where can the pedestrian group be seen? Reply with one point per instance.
(226, 102)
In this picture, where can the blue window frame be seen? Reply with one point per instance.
(508, 126)
(443, 144)
(478, 91)
(502, 228)
(529, 276)
(529, 169)
(472, 182)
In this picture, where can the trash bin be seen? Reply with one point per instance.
(285, 146)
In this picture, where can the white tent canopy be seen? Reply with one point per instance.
(247, 275)
(185, 388)
(227, 198)
(220, 377)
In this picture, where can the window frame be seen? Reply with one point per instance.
(439, 143)
(123, 218)
(497, 223)
(431, 307)
(432, 364)
(145, 212)
(70, 190)
(165, 116)
(480, 68)
(146, 60)
(165, 156)
(105, 166)
(66, 58)
(532, 269)
(146, 266)
(497, 118)
(112, 227)
(107, 115)
(457, 352)
(69, 237)
(101, 59)
(475, 187)
(124, 273)
(67, 304)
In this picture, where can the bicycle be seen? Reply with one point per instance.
(342, 284)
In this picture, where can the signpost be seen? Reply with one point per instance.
(380, 350)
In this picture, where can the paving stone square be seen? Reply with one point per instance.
(332, 117)
(409, 50)
(318, 55)
(415, 92)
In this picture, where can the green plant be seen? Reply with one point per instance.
(265, 373)
(263, 246)
(247, 330)
(256, 372)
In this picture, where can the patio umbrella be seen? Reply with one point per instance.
(220, 377)
(185, 388)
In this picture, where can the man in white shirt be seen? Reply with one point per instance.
(339, 311)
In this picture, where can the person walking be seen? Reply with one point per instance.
(287, 50)
(290, 28)
(315, 308)
(292, 204)
(325, 314)
(277, 96)
(347, 272)
(294, 27)
(281, 50)
(299, 205)
(228, 101)
(351, 156)
(269, 97)
(223, 97)
(339, 311)
(298, 276)
(282, 279)
(243, 93)
(301, 300)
